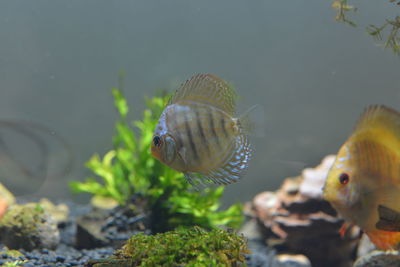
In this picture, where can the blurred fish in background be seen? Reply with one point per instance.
(30, 154)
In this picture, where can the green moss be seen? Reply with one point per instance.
(24, 217)
(182, 247)
(129, 169)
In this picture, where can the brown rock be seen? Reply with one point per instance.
(296, 220)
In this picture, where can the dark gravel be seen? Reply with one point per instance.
(63, 256)
(118, 227)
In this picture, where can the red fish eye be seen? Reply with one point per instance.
(344, 178)
(157, 141)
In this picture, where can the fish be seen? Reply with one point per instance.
(363, 184)
(198, 134)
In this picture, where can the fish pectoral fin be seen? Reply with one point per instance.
(182, 154)
(389, 219)
(197, 181)
(252, 121)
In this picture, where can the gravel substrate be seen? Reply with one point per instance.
(116, 228)
(62, 256)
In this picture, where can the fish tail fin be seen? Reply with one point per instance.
(252, 121)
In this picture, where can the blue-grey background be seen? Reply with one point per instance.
(312, 75)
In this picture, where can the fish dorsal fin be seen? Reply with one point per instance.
(380, 123)
(379, 117)
(207, 89)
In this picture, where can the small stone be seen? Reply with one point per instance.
(379, 258)
(60, 258)
(101, 202)
(365, 246)
(288, 260)
(58, 212)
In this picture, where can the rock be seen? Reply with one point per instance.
(88, 232)
(379, 258)
(101, 227)
(288, 260)
(58, 212)
(27, 227)
(314, 178)
(101, 202)
(251, 230)
(6, 199)
(365, 246)
(296, 220)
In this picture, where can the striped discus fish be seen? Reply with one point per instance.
(198, 135)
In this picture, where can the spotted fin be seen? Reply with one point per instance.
(389, 219)
(230, 172)
(207, 89)
(235, 167)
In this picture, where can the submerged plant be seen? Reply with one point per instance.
(388, 32)
(129, 169)
(182, 247)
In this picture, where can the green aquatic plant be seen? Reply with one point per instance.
(182, 247)
(129, 169)
(388, 32)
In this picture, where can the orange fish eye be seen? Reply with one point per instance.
(344, 178)
(157, 141)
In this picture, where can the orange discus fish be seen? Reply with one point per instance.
(363, 184)
(197, 133)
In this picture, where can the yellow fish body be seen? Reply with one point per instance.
(363, 184)
(198, 134)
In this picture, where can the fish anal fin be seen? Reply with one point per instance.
(182, 154)
(233, 169)
(207, 89)
(389, 219)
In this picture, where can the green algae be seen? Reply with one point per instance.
(182, 247)
(24, 217)
(28, 226)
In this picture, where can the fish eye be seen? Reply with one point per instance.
(157, 141)
(344, 178)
